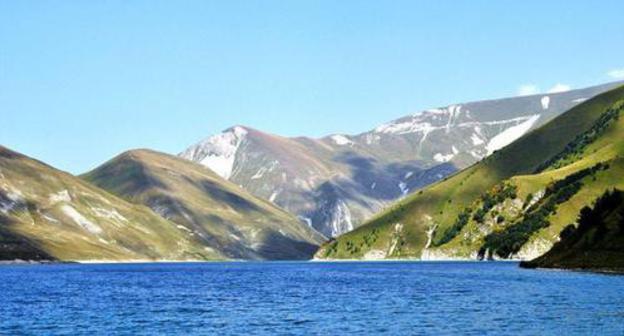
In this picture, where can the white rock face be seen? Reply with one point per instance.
(533, 249)
(14, 199)
(398, 230)
(218, 152)
(111, 214)
(374, 255)
(61, 196)
(77, 217)
(440, 255)
(511, 134)
(341, 219)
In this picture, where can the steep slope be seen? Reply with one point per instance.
(338, 181)
(597, 243)
(511, 204)
(215, 212)
(48, 214)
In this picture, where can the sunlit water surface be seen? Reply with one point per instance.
(307, 298)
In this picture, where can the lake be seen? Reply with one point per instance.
(307, 298)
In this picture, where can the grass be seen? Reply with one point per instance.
(43, 223)
(597, 243)
(440, 204)
(218, 213)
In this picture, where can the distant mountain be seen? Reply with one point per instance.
(49, 214)
(597, 243)
(511, 205)
(336, 182)
(214, 212)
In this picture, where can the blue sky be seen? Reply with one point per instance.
(81, 81)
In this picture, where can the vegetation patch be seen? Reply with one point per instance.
(597, 241)
(497, 195)
(573, 151)
(509, 241)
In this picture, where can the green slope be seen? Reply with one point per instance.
(597, 243)
(494, 195)
(214, 211)
(49, 214)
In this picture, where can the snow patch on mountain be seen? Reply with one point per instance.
(341, 140)
(405, 128)
(422, 123)
(260, 173)
(545, 102)
(372, 138)
(476, 139)
(403, 187)
(273, 196)
(439, 157)
(218, 152)
(307, 220)
(512, 133)
(453, 111)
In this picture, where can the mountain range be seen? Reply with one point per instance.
(215, 212)
(167, 208)
(337, 182)
(496, 179)
(512, 204)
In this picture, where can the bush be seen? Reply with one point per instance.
(509, 240)
(575, 148)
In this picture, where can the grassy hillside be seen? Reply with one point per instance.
(215, 212)
(596, 243)
(49, 214)
(504, 197)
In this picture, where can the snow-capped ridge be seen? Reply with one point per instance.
(218, 152)
(341, 140)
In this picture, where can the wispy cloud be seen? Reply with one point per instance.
(527, 90)
(559, 88)
(616, 73)
(532, 89)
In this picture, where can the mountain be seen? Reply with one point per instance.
(336, 182)
(48, 214)
(510, 205)
(216, 213)
(596, 243)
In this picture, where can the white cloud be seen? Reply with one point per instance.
(616, 73)
(559, 88)
(532, 89)
(527, 90)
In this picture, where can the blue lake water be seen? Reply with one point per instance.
(307, 298)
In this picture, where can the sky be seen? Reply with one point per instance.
(82, 81)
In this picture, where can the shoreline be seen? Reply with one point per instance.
(168, 261)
